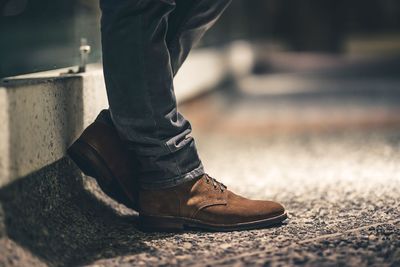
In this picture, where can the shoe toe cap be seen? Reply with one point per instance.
(272, 209)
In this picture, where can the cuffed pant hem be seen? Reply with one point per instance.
(197, 172)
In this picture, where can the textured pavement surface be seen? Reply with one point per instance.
(337, 171)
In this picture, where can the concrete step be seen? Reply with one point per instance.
(42, 113)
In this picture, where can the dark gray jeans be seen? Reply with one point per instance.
(145, 42)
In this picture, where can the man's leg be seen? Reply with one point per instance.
(159, 134)
(203, 202)
(139, 81)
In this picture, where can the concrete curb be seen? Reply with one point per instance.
(42, 113)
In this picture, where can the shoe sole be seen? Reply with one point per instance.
(92, 164)
(177, 224)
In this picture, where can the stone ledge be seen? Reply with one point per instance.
(42, 113)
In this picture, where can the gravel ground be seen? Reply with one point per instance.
(340, 185)
(342, 196)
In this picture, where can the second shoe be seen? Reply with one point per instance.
(100, 153)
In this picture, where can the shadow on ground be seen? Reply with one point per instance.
(51, 214)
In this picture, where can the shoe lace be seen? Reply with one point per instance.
(215, 183)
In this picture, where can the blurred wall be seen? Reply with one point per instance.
(45, 34)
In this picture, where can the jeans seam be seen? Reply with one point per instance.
(149, 95)
(166, 145)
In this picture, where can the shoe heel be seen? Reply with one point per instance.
(160, 224)
(90, 163)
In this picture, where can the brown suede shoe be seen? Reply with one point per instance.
(204, 204)
(100, 153)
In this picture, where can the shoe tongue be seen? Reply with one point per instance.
(202, 184)
(197, 180)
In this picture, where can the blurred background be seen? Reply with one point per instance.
(44, 34)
